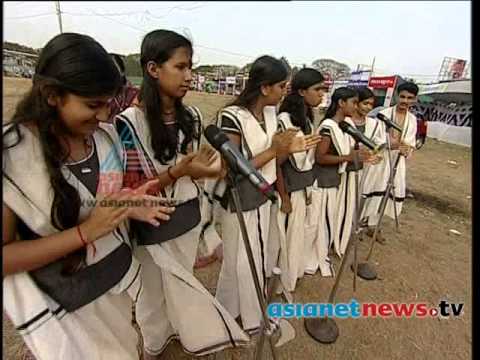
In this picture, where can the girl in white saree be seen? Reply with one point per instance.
(251, 123)
(70, 279)
(295, 177)
(162, 137)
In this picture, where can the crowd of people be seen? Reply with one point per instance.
(86, 280)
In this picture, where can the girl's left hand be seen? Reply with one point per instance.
(147, 208)
(303, 143)
(149, 186)
(409, 152)
(404, 149)
(376, 159)
(364, 155)
(202, 163)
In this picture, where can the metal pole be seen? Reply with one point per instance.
(392, 189)
(383, 203)
(357, 215)
(265, 327)
(394, 203)
(59, 15)
(325, 330)
(352, 241)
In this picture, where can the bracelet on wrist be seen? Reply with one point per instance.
(80, 235)
(84, 242)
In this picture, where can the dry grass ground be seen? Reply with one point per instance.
(422, 263)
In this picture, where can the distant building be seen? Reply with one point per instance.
(19, 64)
(218, 82)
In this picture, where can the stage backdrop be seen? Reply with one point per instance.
(452, 124)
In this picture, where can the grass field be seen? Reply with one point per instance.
(424, 262)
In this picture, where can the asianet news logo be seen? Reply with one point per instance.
(354, 309)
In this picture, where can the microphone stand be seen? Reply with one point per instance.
(356, 216)
(389, 144)
(393, 183)
(325, 329)
(366, 270)
(265, 326)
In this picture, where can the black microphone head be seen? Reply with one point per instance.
(215, 136)
(382, 117)
(389, 123)
(344, 126)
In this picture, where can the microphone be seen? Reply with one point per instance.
(236, 161)
(360, 137)
(389, 123)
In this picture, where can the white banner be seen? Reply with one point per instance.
(230, 80)
(359, 78)
(432, 88)
(388, 97)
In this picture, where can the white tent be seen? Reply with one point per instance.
(448, 92)
(458, 93)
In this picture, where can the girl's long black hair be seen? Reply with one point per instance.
(266, 70)
(342, 93)
(69, 63)
(294, 103)
(364, 93)
(159, 46)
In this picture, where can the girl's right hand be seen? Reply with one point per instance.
(107, 214)
(181, 168)
(281, 141)
(364, 155)
(286, 206)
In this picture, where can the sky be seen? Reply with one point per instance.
(409, 38)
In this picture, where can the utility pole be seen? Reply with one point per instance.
(59, 14)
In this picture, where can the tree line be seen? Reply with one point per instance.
(329, 67)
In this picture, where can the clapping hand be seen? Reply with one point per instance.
(288, 142)
(147, 208)
(201, 164)
(304, 143)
